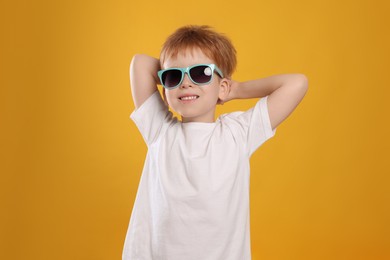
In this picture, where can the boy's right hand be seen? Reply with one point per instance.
(143, 77)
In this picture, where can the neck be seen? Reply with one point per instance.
(197, 119)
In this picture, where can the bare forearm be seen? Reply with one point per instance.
(262, 87)
(147, 65)
(143, 77)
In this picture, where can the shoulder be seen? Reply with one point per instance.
(236, 117)
(233, 123)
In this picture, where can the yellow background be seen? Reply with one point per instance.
(71, 157)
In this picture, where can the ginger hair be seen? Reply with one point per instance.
(214, 45)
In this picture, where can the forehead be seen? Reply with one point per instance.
(187, 57)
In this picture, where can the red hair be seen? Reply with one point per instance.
(215, 46)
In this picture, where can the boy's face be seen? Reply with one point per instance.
(201, 109)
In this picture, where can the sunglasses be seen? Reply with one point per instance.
(199, 74)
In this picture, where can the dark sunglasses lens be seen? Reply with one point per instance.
(171, 78)
(201, 74)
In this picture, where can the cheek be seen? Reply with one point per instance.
(215, 90)
(169, 94)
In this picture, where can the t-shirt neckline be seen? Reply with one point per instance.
(200, 123)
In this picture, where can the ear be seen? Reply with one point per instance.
(224, 90)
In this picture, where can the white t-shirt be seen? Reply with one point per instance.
(192, 201)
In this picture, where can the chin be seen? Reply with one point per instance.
(187, 115)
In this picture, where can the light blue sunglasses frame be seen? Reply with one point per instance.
(213, 68)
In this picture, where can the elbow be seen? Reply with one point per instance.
(302, 79)
(134, 61)
(302, 82)
(140, 59)
(137, 58)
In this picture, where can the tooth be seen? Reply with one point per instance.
(188, 98)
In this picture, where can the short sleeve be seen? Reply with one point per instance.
(257, 125)
(151, 117)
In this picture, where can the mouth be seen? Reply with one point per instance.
(189, 98)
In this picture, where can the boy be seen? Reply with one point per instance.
(193, 197)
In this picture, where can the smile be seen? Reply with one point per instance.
(188, 98)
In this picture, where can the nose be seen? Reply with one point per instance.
(186, 82)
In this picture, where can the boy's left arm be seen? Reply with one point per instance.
(284, 91)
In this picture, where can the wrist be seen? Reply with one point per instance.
(234, 89)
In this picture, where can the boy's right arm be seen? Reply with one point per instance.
(143, 77)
